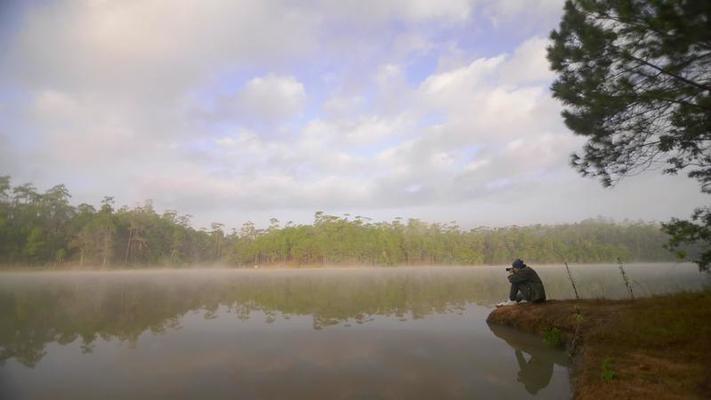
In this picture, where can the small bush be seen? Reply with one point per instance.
(553, 337)
(579, 317)
(608, 371)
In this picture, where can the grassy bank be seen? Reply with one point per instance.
(652, 348)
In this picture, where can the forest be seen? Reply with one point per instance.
(45, 229)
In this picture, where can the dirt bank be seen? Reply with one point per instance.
(652, 348)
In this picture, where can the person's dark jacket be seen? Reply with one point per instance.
(528, 283)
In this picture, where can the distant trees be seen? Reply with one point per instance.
(357, 241)
(44, 228)
(635, 79)
(33, 225)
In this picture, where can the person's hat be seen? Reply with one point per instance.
(518, 263)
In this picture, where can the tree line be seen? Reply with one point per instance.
(357, 240)
(45, 229)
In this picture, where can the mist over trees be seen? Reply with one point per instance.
(45, 229)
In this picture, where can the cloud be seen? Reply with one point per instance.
(269, 99)
(151, 47)
(273, 97)
(528, 64)
(407, 10)
(521, 12)
(235, 110)
(356, 131)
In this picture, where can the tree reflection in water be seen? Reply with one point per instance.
(42, 308)
(38, 309)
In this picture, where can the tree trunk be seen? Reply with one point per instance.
(128, 245)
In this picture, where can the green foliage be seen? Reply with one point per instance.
(342, 240)
(698, 230)
(34, 244)
(635, 79)
(608, 370)
(60, 255)
(634, 76)
(553, 337)
(579, 317)
(43, 228)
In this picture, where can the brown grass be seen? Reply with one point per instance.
(660, 347)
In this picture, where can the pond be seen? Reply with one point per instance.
(336, 333)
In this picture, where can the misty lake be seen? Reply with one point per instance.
(334, 333)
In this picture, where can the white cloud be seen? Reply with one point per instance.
(271, 98)
(355, 131)
(461, 80)
(344, 105)
(408, 10)
(528, 63)
(521, 12)
(152, 47)
(53, 103)
(232, 110)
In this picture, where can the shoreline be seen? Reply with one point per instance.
(273, 267)
(657, 347)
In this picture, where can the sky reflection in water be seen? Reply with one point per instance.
(346, 333)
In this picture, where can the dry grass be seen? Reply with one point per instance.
(660, 347)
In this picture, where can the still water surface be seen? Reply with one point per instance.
(364, 333)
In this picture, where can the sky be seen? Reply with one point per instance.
(235, 111)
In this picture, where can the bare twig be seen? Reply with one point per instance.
(576, 334)
(572, 282)
(624, 277)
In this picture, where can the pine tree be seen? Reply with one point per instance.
(635, 79)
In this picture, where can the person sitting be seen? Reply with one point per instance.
(526, 286)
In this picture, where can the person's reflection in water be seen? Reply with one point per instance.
(536, 372)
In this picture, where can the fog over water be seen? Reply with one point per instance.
(316, 133)
(331, 333)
